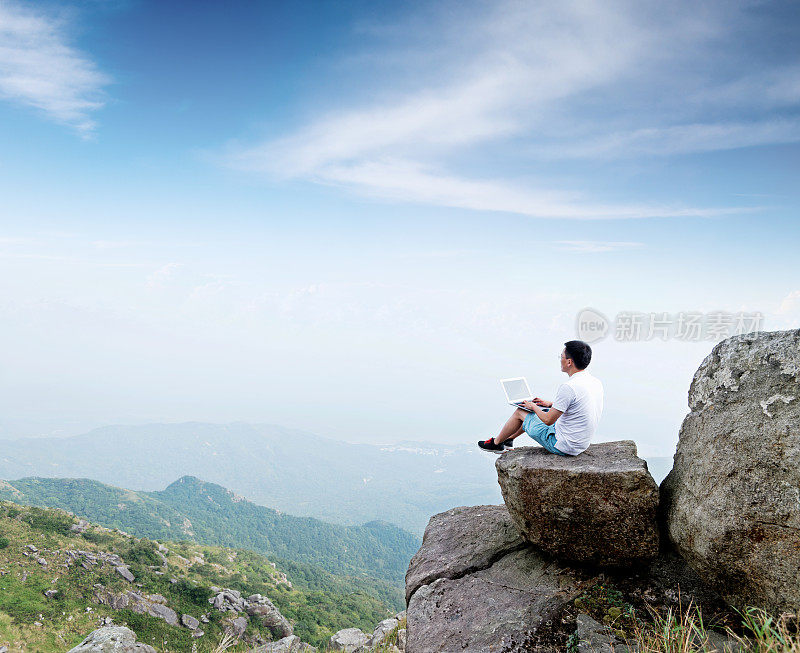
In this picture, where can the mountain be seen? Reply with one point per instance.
(62, 579)
(289, 470)
(191, 509)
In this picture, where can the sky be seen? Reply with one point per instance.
(354, 218)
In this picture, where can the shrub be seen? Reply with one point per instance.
(4, 542)
(142, 553)
(196, 594)
(49, 521)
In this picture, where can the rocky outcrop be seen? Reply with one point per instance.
(460, 541)
(599, 507)
(151, 604)
(485, 596)
(108, 639)
(290, 644)
(731, 504)
(349, 640)
(261, 608)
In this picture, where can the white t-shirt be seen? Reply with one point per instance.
(581, 401)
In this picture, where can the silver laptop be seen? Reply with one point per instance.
(517, 391)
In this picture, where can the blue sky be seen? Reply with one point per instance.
(356, 217)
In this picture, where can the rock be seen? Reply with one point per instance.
(50, 593)
(493, 605)
(381, 631)
(189, 621)
(161, 611)
(135, 602)
(594, 637)
(80, 527)
(401, 639)
(290, 644)
(32, 548)
(462, 540)
(348, 640)
(492, 609)
(112, 638)
(599, 507)
(731, 504)
(228, 600)
(125, 573)
(237, 626)
(42, 561)
(265, 611)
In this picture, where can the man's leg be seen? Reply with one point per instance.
(513, 427)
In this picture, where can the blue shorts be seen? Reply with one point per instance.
(543, 434)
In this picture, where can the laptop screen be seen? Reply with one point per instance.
(516, 389)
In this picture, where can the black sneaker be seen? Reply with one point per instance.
(489, 445)
(508, 444)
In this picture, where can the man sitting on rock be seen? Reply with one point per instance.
(567, 427)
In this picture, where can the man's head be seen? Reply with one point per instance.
(575, 357)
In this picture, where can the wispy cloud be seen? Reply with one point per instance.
(555, 80)
(682, 139)
(38, 68)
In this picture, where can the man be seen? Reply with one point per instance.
(567, 427)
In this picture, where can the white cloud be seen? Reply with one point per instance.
(39, 69)
(682, 139)
(521, 74)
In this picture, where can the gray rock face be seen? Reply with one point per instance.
(112, 638)
(228, 600)
(125, 573)
(491, 606)
(349, 640)
(462, 540)
(190, 622)
(594, 637)
(731, 503)
(264, 610)
(136, 602)
(382, 631)
(237, 626)
(290, 644)
(599, 507)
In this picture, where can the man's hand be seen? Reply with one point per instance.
(527, 404)
(541, 402)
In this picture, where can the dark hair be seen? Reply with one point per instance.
(579, 352)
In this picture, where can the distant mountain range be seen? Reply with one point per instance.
(291, 471)
(191, 509)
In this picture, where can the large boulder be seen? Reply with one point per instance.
(136, 602)
(731, 503)
(599, 507)
(462, 540)
(112, 639)
(265, 611)
(349, 640)
(290, 644)
(491, 591)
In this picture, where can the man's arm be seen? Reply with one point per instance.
(548, 417)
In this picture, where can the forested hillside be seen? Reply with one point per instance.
(209, 514)
(57, 577)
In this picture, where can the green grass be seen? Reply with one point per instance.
(318, 607)
(685, 631)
